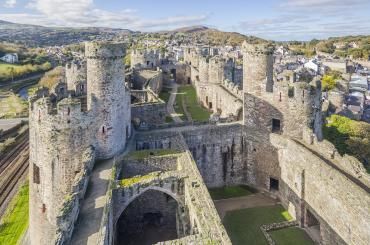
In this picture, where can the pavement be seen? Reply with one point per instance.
(6, 124)
(87, 227)
(171, 101)
(88, 224)
(255, 200)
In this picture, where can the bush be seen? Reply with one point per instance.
(349, 137)
(328, 82)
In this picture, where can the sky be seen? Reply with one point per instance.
(270, 19)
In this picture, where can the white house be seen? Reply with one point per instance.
(10, 58)
(313, 65)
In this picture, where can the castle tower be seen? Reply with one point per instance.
(107, 96)
(257, 68)
(58, 137)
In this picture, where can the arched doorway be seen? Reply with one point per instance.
(148, 219)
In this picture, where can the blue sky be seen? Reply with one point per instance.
(271, 19)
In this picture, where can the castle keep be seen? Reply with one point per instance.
(272, 141)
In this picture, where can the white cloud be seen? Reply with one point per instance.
(10, 3)
(83, 13)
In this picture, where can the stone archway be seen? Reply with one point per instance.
(153, 215)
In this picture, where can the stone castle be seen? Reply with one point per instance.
(272, 140)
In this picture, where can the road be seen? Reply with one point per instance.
(171, 101)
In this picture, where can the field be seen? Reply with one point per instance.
(4, 68)
(15, 221)
(187, 96)
(230, 192)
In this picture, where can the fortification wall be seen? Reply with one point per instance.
(150, 113)
(219, 153)
(337, 197)
(144, 59)
(219, 99)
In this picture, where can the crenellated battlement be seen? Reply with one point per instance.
(104, 50)
(258, 49)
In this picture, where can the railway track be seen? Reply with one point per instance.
(10, 156)
(13, 169)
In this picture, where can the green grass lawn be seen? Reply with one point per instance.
(4, 68)
(164, 95)
(243, 226)
(178, 107)
(230, 192)
(198, 113)
(291, 236)
(15, 222)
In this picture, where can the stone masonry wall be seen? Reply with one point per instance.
(334, 196)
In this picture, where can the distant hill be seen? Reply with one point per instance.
(34, 35)
(213, 36)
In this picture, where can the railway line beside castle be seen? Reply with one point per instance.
(13, 170)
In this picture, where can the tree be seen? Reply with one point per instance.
(328, 82)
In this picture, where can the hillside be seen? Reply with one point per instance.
(34, 36)
(203, 34)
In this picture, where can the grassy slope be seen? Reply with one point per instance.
(15, 221)
(243, 226)
(291, 236)
(198, 113)
(230, 192)
(4, 68)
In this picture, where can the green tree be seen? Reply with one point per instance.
(328, 82)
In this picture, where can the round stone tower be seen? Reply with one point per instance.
(107, 96)
(257, 68)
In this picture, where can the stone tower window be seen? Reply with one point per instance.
(68, 111)
(39, 115)
(275, 125)
(274, 184)
(280, 96)
(43, 208)
(103, 130)
(36, 174)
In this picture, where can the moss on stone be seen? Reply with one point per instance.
(136, 179)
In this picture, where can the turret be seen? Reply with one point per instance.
(106, 96)
(258, 68)
(58, 136)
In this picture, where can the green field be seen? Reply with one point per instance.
(189, 96)
(230, 192)
(243, 226)
(5, 68)
(15, 221)
(291, 236)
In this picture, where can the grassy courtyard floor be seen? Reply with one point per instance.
(188, 95)
(230, 192)
(243, 226)
(15, 222)
(291, 236)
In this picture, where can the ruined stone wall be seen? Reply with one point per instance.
(153, 113)
(218, 99)
(183, 75)
(76, 77)
(108, 97)
(219, 153)
(338, 197)
(131, 167)
(144, 58)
